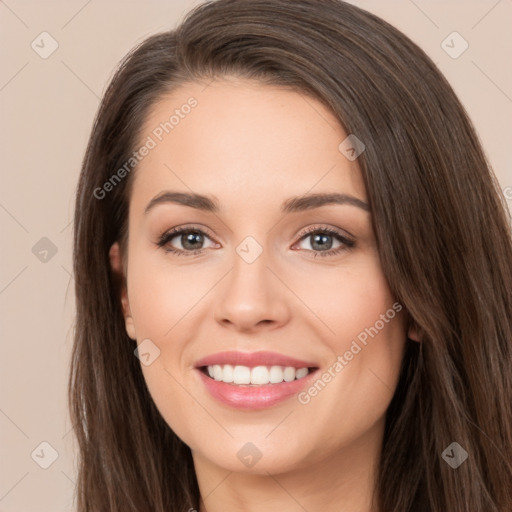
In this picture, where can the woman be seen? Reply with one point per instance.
(293, 280)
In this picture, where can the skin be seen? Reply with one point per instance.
(253, 146)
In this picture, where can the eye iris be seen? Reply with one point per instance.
(188, 240)
(321, 238)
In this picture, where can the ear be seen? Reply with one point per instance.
(116, 264)
(412, 333)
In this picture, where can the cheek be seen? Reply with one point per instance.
(365, 332)
(343, 301)
(162, 296)
(159, 302)
(369, 327)
(164, 303)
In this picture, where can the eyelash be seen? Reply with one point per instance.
(167, 236)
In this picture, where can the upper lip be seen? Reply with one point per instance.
(252, 359)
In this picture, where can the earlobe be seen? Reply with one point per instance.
(412, 333)
(117, 267)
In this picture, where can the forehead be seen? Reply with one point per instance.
(239, 140)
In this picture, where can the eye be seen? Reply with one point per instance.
(190, 239)
(321, 241)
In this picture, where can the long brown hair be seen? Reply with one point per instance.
(442, 229)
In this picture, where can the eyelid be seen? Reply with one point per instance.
(188, 227)
(325, 228)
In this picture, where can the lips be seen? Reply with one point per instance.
(254, 380)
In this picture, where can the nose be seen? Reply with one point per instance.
(252, 298)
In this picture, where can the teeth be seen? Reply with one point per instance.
(276, 374)
(242, 375)
(227, 373)
(259, 375)
(217, 372)
(301, 372)
(289, 374)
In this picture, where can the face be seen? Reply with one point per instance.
(268, 329)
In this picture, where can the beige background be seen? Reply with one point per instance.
(47, 109)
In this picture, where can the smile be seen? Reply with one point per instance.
(255, 380)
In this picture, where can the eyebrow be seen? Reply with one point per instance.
(291, 205)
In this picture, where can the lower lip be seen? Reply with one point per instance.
(253, 397)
